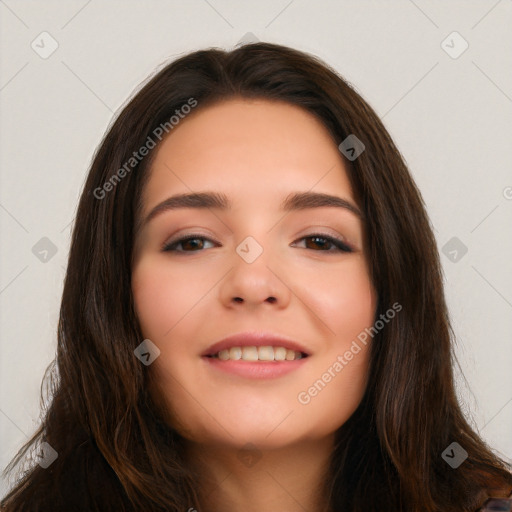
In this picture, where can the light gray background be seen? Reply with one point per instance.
(450, 117)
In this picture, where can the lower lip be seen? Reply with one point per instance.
(255, 370)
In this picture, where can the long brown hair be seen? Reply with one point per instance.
(115, 450)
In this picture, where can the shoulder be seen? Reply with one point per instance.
(499, 499)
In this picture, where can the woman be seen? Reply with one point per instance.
(253, 314)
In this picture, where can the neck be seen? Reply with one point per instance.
(287, 479)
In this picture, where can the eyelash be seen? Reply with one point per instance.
(339, 244)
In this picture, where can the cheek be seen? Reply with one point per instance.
(343, 299)
(334, 391)
(148, 296)
(161, 297)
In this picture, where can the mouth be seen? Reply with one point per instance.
(256, 355)
(254, 368)
(263, 353)
(256, 346)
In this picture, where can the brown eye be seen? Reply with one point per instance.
(325, 243)
(191, 243)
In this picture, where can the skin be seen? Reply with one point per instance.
(256, 152)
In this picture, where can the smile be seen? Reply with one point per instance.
(262, 353)
(255, 368)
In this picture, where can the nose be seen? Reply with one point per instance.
(254, 283)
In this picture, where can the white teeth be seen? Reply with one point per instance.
(265, 353)
(235, 353)
(249, 354)
(280, 353)
(223, 354)
(290, 355)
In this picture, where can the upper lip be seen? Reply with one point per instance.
(254, 339)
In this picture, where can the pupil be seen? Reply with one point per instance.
(322, 242)
(191, 241)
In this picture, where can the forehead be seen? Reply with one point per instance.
(249, 149)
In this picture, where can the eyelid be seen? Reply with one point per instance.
(320, 230)
(336, 240)
(329, 232)
(185, 235)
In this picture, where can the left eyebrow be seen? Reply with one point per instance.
(217, 200)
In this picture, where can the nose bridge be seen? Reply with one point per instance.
(255, 259)
(253, 278)
(254, 225)
(250, 250)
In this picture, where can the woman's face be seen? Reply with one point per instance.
(286, 279)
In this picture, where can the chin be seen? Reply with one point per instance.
(241, 433)
(262, 441)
